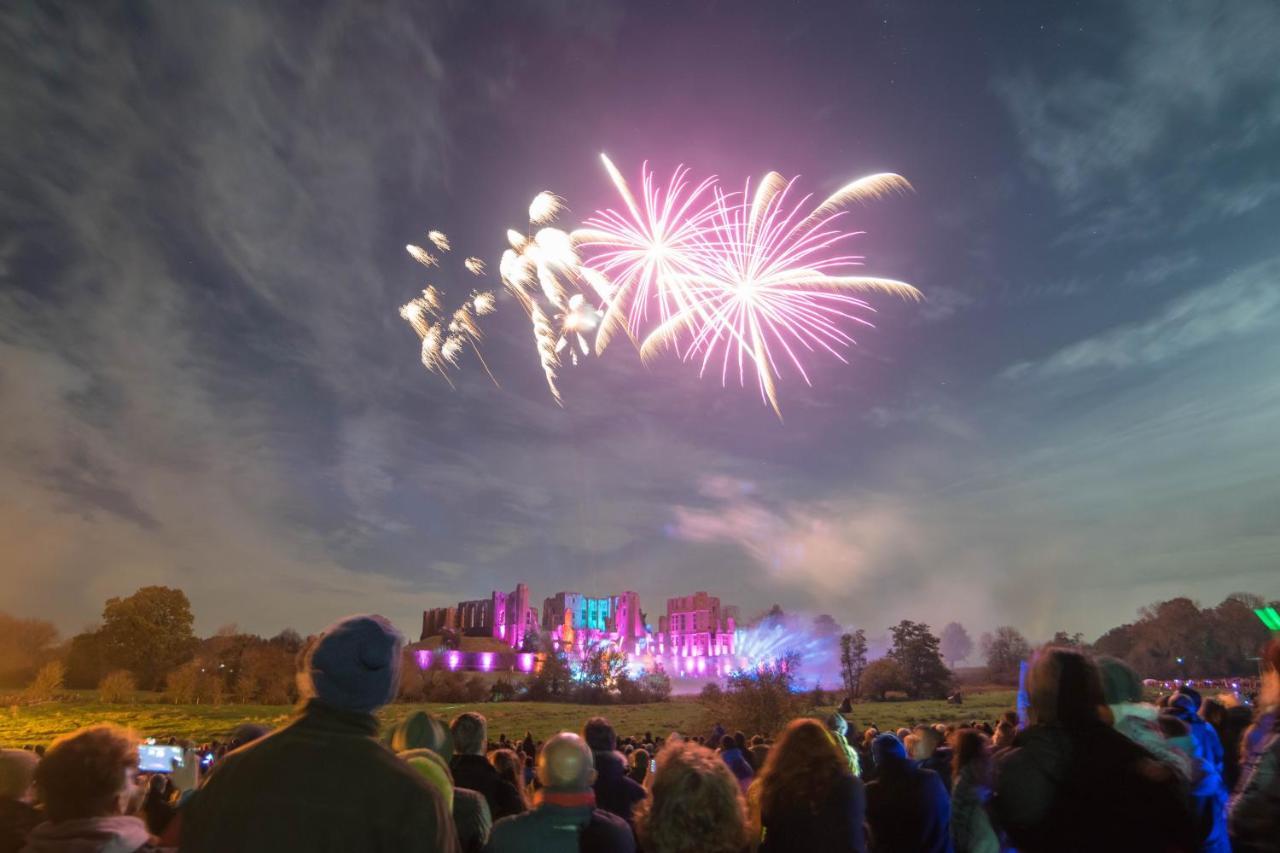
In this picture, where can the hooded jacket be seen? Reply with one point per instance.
(118, 834)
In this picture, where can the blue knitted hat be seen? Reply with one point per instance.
(355, 663)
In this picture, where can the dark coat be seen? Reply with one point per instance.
(323, 782)
(836, 827)
(908, 809)
(562, 829)
(16, 820)
(616, 792)
(472, 819)
(1255, 808)
(1089, 788)
(475, 772)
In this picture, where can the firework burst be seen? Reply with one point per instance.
(644, 249)
(767, 284)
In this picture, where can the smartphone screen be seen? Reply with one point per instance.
(653, 766)
(159, 759)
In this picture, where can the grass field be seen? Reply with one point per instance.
(35, 724)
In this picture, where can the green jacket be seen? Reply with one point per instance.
(320, 783)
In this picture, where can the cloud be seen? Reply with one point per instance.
(1183, 66)
(1242, 303)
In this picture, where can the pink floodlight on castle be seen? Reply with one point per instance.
(423, 658)
(454, 658)
(526, 662)
(486, 661)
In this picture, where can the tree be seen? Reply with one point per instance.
(85, 660)
(116, 687)
(148, 633)
(956, 643)
(853, 662)
(915, 650)
(759, 701)
(553, 679)
(825, 625)
(531, 641)
(1062, 638)
(1005, 651)
(47, 682)
(882, 676)
(25, 646)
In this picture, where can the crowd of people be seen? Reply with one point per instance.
(1092, 766)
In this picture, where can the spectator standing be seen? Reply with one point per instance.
(1254, 812)
(806, 798)
(932, 753)
(615, 791)
(736, 760)
(324, 782)
(472, 770)
(639, 766)
(971, 830)
(695, 805)
(18, 814)
(839, 728)
(511, 769)
(907, 806)
(564, 818)
(88, 784)
(424, 742)
(1072, 782)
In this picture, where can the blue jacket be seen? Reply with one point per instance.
(555, 828)
(908, 809)
(615, 790)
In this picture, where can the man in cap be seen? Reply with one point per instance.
(324, 782)
(565, 817)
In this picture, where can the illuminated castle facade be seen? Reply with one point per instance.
(695, 628)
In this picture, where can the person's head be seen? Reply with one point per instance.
(727, 742)
(801, 768)
(902, 733)
(566, 764)
(640, 761)
(970, 751)
(1214, 711)
(89, 773)
(837, 724)
(244, 733)
(17, 774)
(420, 730)
(435, 769)
(1120, 684)
(886, 749)
(740, 740)
(470, 733)
(869, 735)
(599, 735)
(696, 805)
(1187, 690)
(928, 739)
(509, 767)
(1269, 696)
(353, 665)
(1004, 735)
(1064, 688)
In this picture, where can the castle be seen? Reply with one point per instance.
(695, 626)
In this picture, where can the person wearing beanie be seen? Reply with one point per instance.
(908, 808)
(615, 791)
(564, 818)
(324, 782)
(839, 728)
(1185, 705)
(425, 743)
(1136, 718)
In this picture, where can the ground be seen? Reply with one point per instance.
(34, 724)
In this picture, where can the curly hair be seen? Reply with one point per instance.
(510, 767)
(800, 772)
(83, 772)
(695, 807)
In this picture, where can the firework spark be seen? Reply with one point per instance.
(643, 249)
(545, 273)
(545, 208)
(764, 286)
(439, 240)
(475, 266)
(421, 255)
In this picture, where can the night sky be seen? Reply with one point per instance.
(204, 382)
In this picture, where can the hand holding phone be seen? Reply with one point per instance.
(153, 758)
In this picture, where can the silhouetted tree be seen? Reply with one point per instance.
(25, 646)
(915, 650)
(882, 676)
(853, 662)
(147, 633)
(956, 643)
(825, 625)
(1005, 650)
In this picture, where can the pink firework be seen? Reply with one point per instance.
(647, 249)
(763, 283)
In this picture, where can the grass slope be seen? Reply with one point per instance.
(34, 724)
